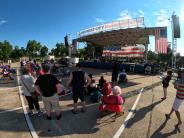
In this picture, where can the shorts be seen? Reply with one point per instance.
(78, 94)
(177, 103)
(51, 103)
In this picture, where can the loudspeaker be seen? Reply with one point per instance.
(176, 26)
(66, 40)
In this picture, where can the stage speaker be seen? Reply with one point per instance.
(176, 26)
(66, 40)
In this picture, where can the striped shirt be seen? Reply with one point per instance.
(180, 88)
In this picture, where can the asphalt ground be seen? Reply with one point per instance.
(147, 120)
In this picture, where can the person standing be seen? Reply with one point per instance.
(77, 81)
(179, 85)
(29, 91)
(165, 83)
(48, 86)
(115, 70)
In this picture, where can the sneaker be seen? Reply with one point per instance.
(59, 117)
(48, 117)
(73, 111)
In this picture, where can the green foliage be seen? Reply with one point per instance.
(152, 56)
(33, 48)
(5, 50)
(44, 51)
(17, 53)
(59, 51)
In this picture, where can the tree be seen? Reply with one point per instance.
(43, 51)
(166, 58)
(152, 55)
(17, 53)
(60, 50)
(5, 50)
(33, 48)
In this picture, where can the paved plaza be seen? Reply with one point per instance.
(147, 120)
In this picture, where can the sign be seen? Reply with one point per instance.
(115, 25)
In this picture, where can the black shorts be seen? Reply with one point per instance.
(78, 94)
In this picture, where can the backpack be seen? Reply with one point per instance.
(95, 96)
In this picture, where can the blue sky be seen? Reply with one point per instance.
(48, 21)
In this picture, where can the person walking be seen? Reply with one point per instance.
(29, 91)
(79, 81)
(48, 86)
(179, 85)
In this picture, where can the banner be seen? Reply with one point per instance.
(115, 25)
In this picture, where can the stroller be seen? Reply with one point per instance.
(110, 103)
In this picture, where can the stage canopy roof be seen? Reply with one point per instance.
(118, 33)
(121, 37)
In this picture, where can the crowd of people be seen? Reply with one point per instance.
(43, 83)
(39, 80)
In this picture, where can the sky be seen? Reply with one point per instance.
(48, 21)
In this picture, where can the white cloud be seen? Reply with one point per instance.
(99, 20)
(2, 21)
(125, 14)
(161, 18)
(140, 13)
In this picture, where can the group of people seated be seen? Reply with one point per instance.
(111, 99)
(6, 72)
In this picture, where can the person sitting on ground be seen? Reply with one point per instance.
(62, 88)
(29, 92)
(101, 82)
(48, 86)
(123, 76)
(179, 85)
(165, 83)
(148, 69)
(6, 72)
(92, 87)
(117, 93)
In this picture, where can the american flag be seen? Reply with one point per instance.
(130, 51)
(161, 40)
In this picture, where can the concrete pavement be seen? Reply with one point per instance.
(148, 120)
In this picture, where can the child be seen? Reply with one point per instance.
(92, 87)
(117, 93)
(61, 89)
(165, 83)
